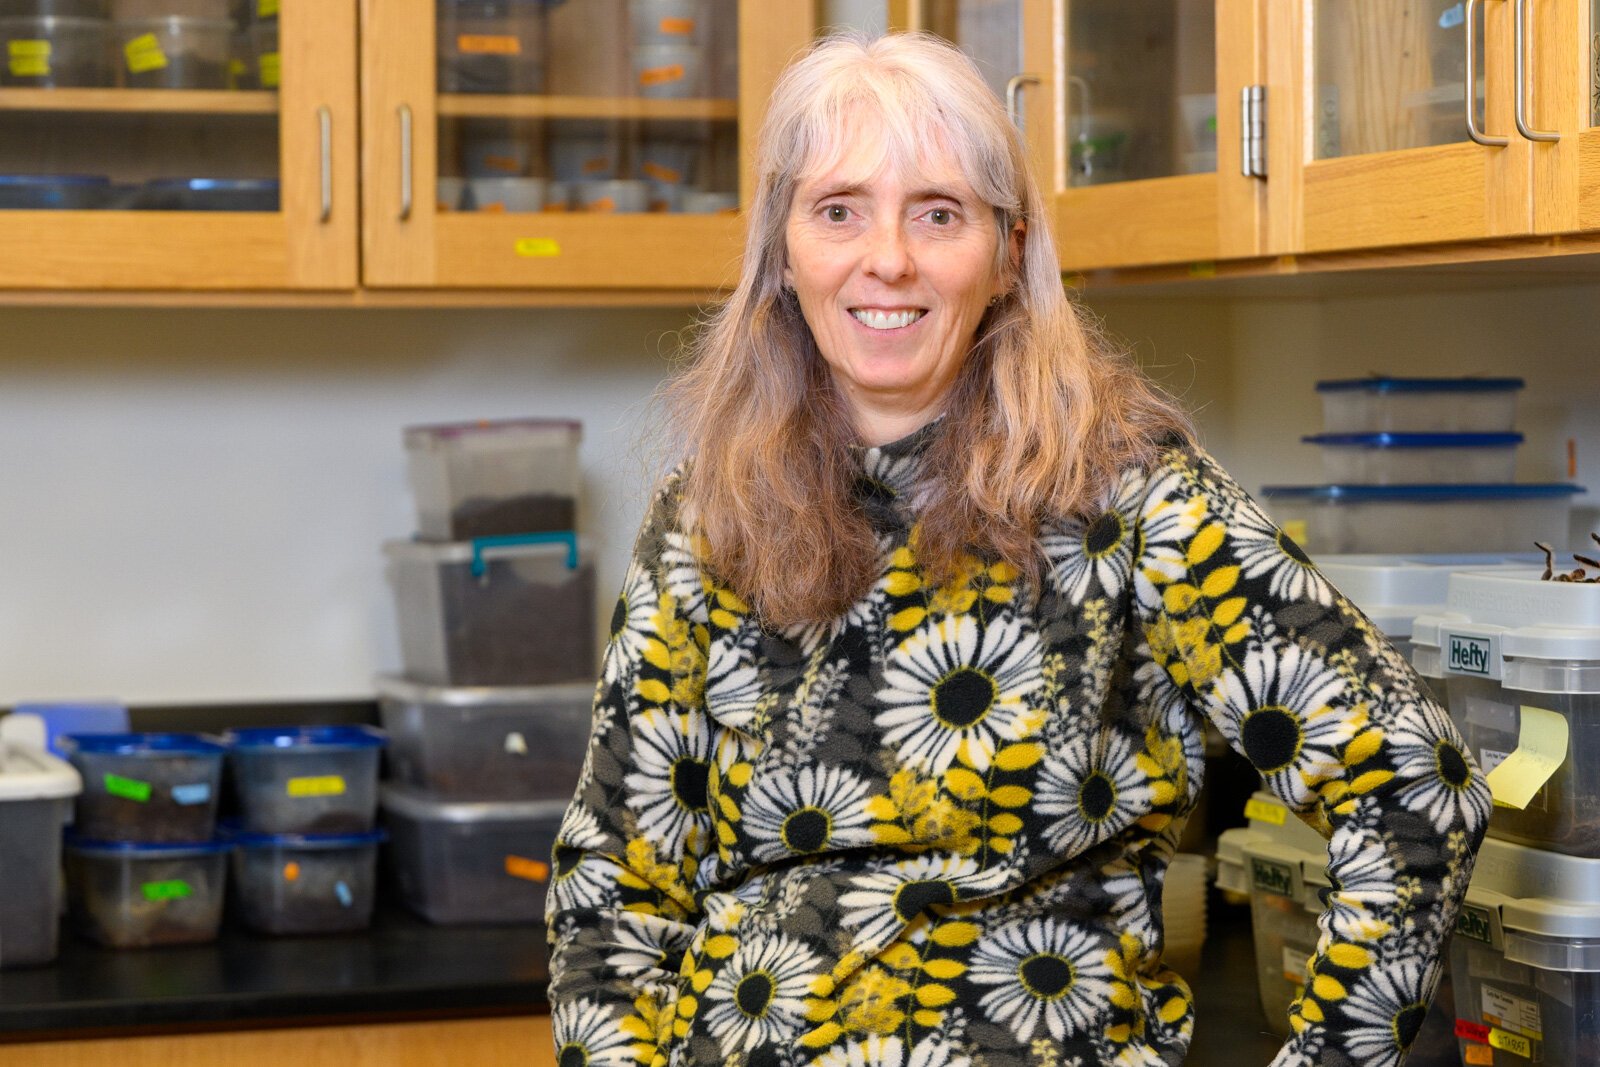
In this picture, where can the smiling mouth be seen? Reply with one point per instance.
(887, 320)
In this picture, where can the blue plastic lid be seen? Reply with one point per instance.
(213, 185)
(245, 839)
(1421, 385)
(54, 179)
(286, 737)
(1358, 494)
(140, 849)
(144, 744)
(1415, 440)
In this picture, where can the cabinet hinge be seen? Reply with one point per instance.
(1253, 131)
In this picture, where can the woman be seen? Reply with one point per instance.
(902, 711)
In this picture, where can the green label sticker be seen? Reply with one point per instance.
(128, 788)
(174, 889)
(144, 54)
(266, 9)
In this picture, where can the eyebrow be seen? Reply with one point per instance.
(930, 192)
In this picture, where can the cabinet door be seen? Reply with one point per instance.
(1149, 165)
(1563, 103)
(180, 153)
(595, 145)
(1369, 124)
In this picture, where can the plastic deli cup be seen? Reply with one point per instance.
(669, 71)
(128, 895)
(305, 883)
(306, 779)
(153, 787)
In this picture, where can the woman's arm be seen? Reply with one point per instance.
(1340, 727)
(622, 908)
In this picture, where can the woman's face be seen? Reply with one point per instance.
(893, 272)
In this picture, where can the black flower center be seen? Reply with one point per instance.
(1097, 796)
(1292, 549)
(573, 1055)
(754, 994)
(566, 861)
(1452, 765)
(807, 830)
(963, 697)
(1104, 535)
(911, 899)
(1407, 1023)
(1046, 975)
(619, 615)
(689, 778)
(1271, 738)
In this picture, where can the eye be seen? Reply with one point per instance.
(836, 212)
(941, 216)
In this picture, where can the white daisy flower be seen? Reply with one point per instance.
(1171, 515)
(1048, 978)
(1427, 752)
(685, 581)
(876, 1051)
(1098, 549)
(631, 628)
(758, 998)
(1364, 877)
(732, 684)
(1289, 712)
(950, 687)
(581, 880)
(797, 813)
(1263, 549)
(1385, 1010)
(881, 904)
(580, 828)
(1094, 787)
(587, 1033)
(895, 473)
(636, 947)
(667, 788)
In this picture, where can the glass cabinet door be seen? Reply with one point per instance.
(1562, 68)
(177, 143)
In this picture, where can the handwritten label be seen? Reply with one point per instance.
(1490, 758)
(1515, 1044)
(1540, 752)
(175, 889)
(144, 54)
(128, 788)
(1265, 811)
(28, 59)
(537, 247)
(327, 785)
(530, 870)
(1471, 1031)
(489, 44)
(1517, 1015)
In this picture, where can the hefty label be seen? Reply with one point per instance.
(1476, 924)
(1474, 656)
(1271, 877)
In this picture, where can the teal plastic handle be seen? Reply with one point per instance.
(561, 537)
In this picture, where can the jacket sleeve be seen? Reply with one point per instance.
(622, 908)
(1340, 728)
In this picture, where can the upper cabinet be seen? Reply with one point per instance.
(178, 144)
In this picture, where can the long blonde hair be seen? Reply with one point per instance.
(1041, 420)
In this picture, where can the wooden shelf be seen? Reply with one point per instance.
(146, 101)
(475, 105)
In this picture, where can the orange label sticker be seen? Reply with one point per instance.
(661, 75)
(291, 871)
(597, 165)
(676, 27)
(503, 164)
(531, 870)
(603, 205)
(489, 44)
(1478, 1056)
(661, 174)
(496, 207)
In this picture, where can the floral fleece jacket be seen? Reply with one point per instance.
(934, 832)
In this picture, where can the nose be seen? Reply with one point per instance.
(888, 255)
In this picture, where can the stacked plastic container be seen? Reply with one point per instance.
(490, 720)
(1420, 465)
(36, 791)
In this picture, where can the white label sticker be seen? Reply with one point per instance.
(1489, 759)
(1512, 1013)
(1294, 964)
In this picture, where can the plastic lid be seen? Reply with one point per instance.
(434, 433)
(394, 687)
(1394, 590)
(144, 744)
(27, 771)
(244, 839)
(415, 804)
(557, 545)
(1415, 494)
(140, 849)
(1537, 892)
(293, 737)
(95, 180)
(1380, 384)
(209, 185)
(1414, 440)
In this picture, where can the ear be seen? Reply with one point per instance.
(788, 276)
(1019, 235)
(1004, 283)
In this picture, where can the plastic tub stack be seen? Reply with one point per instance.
(1420, 465)
(490, 720)
(36, 794)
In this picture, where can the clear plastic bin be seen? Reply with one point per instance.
(56, 53)
(1507, 641)
(668, 21)
(30, 192)
(504, 195)
(669, 71)
(1417, 458)
(68, 9)
(146, 787)
(1421, 518)
(484, 479)
(1282, 921)
(306, 779)
(305, 884)
(584, 150)
(207, 194)
(472, 863)
(1419, 405)
(472, 614)
(487, 743)
(128, 895)
(36, 791)
(492, 46)
(174, 53)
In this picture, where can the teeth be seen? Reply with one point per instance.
(886, 320)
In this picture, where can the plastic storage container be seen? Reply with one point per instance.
(492, 46)
(30, 192)
(174, 53)
(487, 743)
(584, 150)
(668, 21)
(1417, 458)
(472, 863)
(1507, 642)
(619, 196)
(473, 615)
(1419, 405)
(1525, 960)
(504, 194)
(306, 779)
(305, 884)
(129, 895)
(56, 53)
(207, 194)
(1421, 518)
(483, 479)
(156, 788)
(669, 71)
(1283, 920)
(36, 791)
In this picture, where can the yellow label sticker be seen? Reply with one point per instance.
(489, 44)
(537, 247)
(326, 785)
(1296, 529)
(271, 70)
(1477, 1056)
(1515, 1044)
(266, 9)
(1541, 750)
(1265, 811)
(661, 75)
(531, 870)
(676, 27)
(144, 54)
(28, 59)
(661, 174)
(1206, 269)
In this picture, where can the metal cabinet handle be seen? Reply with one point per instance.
(325, 129)
(1472, 83)
(405, 162)
(1014, 97)
(1522, 80)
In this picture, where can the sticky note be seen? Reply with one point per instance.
(1265, 811)
(1541, 750)
(144, 54)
